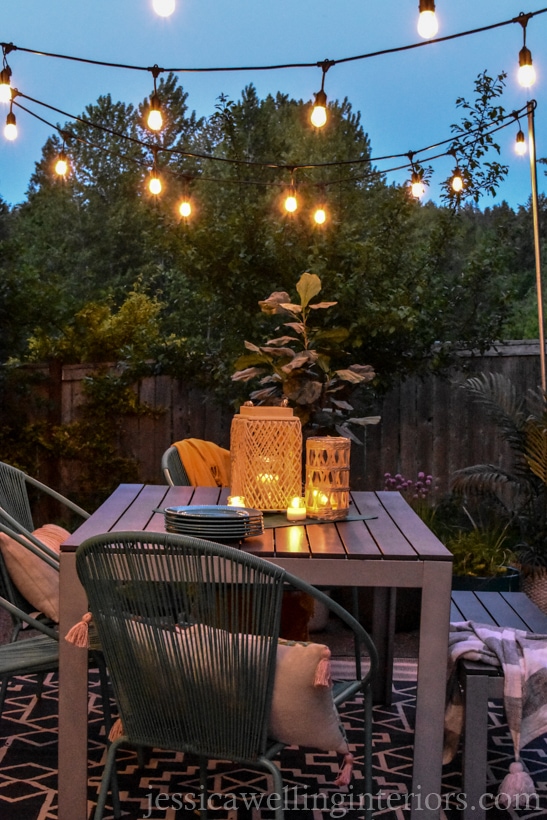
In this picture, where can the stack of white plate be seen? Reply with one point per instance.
(214, 523)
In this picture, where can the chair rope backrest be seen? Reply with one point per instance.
(14, 498)
(189, 631)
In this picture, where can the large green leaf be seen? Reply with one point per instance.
(308, 286)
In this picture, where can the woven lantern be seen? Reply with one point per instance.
(327, 477)
(266, 456)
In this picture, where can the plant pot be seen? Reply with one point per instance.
(507, 582)
(535, 587)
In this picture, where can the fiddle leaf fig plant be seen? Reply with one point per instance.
(296, 367)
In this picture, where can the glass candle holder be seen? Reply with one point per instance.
(327, 477)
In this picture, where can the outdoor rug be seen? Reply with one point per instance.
(166, 787)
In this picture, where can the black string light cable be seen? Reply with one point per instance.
(280, 66)
(155, 149)
(291, 167)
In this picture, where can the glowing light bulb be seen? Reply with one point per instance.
(163, 7)
(291, 204)
(319, 113)
(457, 181)
(61, 166)
(154, 186)
(428, 25)
(526, 73)
(5, 87)
(155, 118)
(320, 216)
(520, 144)
(416, 185)
(10, 130)
(185, 208)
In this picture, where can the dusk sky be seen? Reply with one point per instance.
(406, 99)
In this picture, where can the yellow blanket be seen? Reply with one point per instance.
(206, 464)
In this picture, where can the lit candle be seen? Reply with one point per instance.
(297, 510)
(236, 501)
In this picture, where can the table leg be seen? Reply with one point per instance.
(426, 798)
(383, 632)
(73, 698)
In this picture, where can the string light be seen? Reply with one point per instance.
(155, 117)
(319, 113)
(185, 208)
(520, 143)
(320, 216)
(10, 129)
(154, 184)
(291, 203)
(526, 73)
(164, 8)
(428, 25)
(417, 186)
(5, 86)
(61, 166)
(457, 181)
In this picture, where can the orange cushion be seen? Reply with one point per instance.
(36, 580)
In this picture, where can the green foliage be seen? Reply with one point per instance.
(520, 491)
(472, 143)
(298, 366)
(480, 552)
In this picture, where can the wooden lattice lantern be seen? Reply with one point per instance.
(266, 456)
(327, 477)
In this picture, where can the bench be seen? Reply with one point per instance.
(481, 682)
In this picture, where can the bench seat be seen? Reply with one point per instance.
(481, 683)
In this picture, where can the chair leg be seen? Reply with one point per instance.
(367, 751)
(109, 775)
(203, 787)
(278, 786)
(3, 691)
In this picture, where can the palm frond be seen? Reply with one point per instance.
(505, 405)
(536, 450)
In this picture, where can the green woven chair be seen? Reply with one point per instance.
(173, 469)
(16, 520)
(37, 654)
(189, 630)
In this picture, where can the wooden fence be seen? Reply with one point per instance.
(428, 425)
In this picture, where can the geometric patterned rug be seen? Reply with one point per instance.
(165, 787)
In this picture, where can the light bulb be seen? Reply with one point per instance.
(520, 143)
(154, 185)
(428, 25)
(457, 181)
(320, 216)
(155, 118)
(61, 166)
(319, 116)
(526, 73)
(164, 7)
(10, 130)
(416, 185)
(319, 113)
(291, 204)
(185, 208)
(5, 87)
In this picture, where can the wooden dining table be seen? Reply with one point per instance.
(383, 545)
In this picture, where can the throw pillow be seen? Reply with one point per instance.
(36, 580)
(303, 710)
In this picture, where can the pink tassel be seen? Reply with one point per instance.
(116, 731)
(516, 788)
(322, 672)
(79, 633)
(344, 776)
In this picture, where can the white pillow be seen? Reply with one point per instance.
(35, 579)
